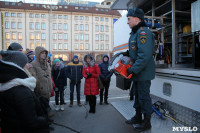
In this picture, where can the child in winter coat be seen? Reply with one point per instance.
(60, 80)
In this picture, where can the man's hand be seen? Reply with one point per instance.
(129, 71)
(126, 53)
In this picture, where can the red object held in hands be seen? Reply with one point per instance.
(122, 66)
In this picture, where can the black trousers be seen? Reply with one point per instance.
(59, 94)
(92, 102)
(106, 85)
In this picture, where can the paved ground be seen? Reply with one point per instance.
(106, 119)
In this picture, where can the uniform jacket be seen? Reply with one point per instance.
(105, 74)
(74, 72)
(17, 102)
(141, 50)
(60, 80)
(91, 84)
(42, 72)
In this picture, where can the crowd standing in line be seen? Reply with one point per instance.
(35, 77)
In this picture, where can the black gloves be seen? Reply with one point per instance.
(126, 53)
(129, 71)
(89, 75)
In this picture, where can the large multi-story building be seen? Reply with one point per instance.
(63, 30)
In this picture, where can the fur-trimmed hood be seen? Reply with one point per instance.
(92, 62)
(38, 50)
(104, 57)
(28, 82)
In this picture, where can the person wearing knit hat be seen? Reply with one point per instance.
(56, 60)
(60, 80)
(17, 97)
(15, 47)
(15, 57)
(30, 54)
(74, 73)
(141, 51)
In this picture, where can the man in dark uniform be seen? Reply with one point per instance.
(141, 50)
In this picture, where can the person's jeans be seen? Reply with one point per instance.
(72, 91)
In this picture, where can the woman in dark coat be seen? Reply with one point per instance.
(91, 88)
(19, 112)
(105, 78)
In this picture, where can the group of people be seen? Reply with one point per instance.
(26, 83)
(28, 79)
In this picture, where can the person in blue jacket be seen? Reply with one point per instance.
(105, 78)
(74, 73)
(141, 51)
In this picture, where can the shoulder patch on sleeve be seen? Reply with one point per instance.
(143, 33)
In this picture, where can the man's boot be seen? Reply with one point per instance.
(71, 104)
(137, 119)
(79, 103)
(146, 125)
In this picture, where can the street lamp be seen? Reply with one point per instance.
(50, 27)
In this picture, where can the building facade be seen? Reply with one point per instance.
(63, 30)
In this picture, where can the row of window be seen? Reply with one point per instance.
(60, 26)
(87, 18)
(32, 15)
(64, 46)
(55, 36)
(101, 46)
(19, 15)
(81, 27)
(101, 19)
(81, 46)
(101, 37)
(101, 28)
(13, 35)
(13, 25)
(37, 36)
(33, 45)
(60, 36)
(60, 46)
(81, 36)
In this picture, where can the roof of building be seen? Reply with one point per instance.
(63, 8)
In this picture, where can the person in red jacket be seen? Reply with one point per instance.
(91, 88)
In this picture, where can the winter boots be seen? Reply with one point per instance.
(79, 103)
(146, 124)
(71, 104)
(137, 119)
